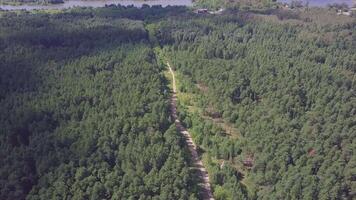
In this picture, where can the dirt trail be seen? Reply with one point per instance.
(198, 164)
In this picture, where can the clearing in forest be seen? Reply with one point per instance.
(198, 164)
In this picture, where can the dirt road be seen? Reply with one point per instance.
(198, 164)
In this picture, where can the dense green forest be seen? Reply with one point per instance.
(286, 81)
(84, 111)
(242, 4)
(85, 105)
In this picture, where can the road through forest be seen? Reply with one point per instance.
(198, 164)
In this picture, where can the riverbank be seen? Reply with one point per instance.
(95, 4)
(32, 3)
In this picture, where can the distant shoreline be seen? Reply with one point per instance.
(93, 3)
(17, 3)
(322, 3)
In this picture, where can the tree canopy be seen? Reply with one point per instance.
(269, 99)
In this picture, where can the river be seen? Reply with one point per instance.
(98, 3)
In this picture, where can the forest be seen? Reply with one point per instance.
(286, 82)
(241, 4)
(85, 112)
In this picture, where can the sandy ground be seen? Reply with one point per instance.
(198, 164)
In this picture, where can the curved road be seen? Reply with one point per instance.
(198, 164)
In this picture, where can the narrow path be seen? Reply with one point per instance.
(198, 164)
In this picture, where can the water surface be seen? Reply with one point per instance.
(99, 3)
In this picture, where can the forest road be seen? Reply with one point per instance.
(197, 163)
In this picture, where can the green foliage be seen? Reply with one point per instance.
(239, 4)
(288, 89)
(85, 111)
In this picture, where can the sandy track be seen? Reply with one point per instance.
(198, 164)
